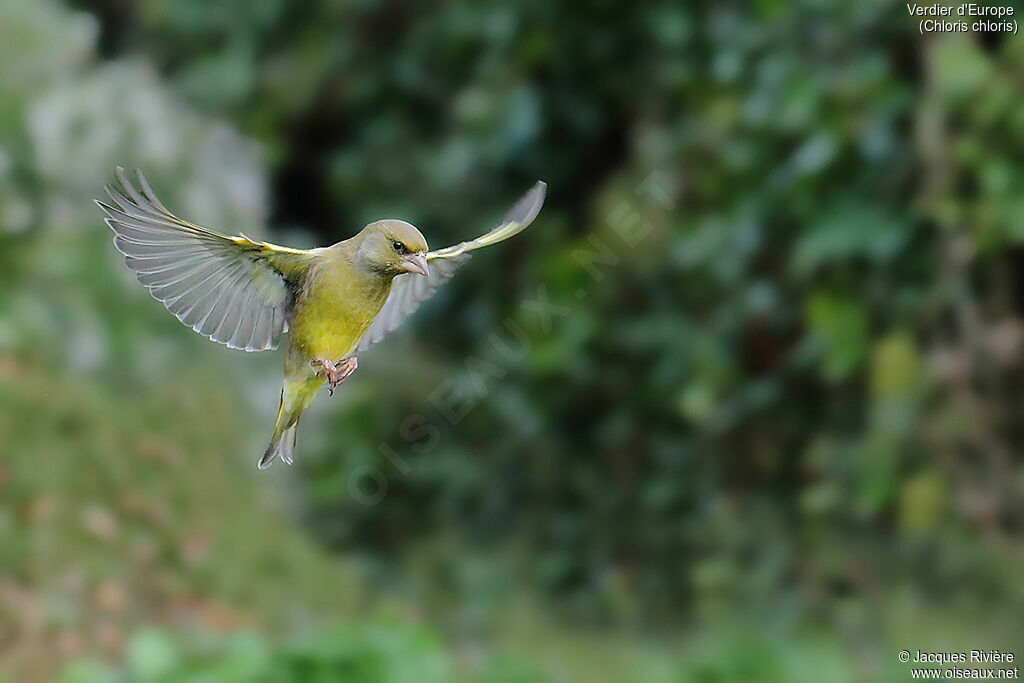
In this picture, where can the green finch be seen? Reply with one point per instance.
(331, 301)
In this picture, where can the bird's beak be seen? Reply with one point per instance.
(417, 263)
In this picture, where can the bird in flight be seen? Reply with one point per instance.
(331, 301)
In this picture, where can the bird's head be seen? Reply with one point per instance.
(393, 247)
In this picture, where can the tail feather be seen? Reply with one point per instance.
(287, 451)
(282, 444)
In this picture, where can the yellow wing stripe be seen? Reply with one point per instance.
(148, 200)
(233, 290)
(515, 221)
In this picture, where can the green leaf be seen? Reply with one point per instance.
(851, 232)
(840, 325)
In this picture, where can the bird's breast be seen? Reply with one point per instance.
(334, 312)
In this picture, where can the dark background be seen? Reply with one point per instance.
(765, 427)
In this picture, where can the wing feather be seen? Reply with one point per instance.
(234, 290)
(409, 290)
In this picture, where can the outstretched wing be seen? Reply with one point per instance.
(409, 290)
(233, 290)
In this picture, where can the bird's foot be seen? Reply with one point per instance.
(335, 373)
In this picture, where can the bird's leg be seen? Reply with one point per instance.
(335, 373)
(345, 368)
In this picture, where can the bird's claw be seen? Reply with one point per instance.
(335, 373)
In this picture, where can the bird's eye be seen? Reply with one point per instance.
(399, 247)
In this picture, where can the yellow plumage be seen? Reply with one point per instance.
(331, 301)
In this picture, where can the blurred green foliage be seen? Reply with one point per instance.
(780, 410)
(381, 652)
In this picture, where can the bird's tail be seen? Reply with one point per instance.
(282, 443)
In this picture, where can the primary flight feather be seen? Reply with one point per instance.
(331, 301)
